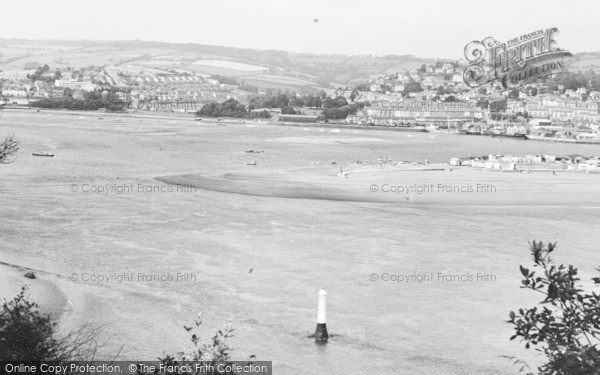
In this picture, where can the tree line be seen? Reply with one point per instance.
(333, 108)
(40, 74)
(230, 108)
(91, 101)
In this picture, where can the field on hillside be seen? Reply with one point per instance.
(72, 55)
(337, 68)
(233, 65)
(587, 63)
(59, 54)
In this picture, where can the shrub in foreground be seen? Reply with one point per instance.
(565, 326)
(28, 335)
(8, 149)
(216, 351)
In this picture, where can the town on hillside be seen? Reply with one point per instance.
(563, 107)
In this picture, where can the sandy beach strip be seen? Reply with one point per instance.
(42, 290)
(408, 184)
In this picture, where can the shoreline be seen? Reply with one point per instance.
(44, 291)
(242, 121)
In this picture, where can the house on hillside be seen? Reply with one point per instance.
(14, 91)
(587, 136)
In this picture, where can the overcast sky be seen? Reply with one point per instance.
(425, 28)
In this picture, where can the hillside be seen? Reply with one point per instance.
(264, 68)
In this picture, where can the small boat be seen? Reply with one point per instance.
(43, 154)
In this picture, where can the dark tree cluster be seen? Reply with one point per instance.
(412, 86)
(441, 90)
(338, 108)
(287, 110)
(575, 80)
(91, 101)
(514, 93)
(38, 75)
(230, 108)
(225, 80)
(287, 103)
(498, 105)
(337, 102)
(337, 113)
(275, 101)
(310, 101)
(363, 87)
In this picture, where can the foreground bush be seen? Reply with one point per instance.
(28, 335)
(216, 351)
(565, 327)
(8, 149)
(25, 333)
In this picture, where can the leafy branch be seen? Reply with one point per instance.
(566, 325)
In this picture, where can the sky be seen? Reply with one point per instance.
(425, 28)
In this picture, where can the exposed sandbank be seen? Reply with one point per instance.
(406, 184)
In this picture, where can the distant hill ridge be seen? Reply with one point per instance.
(296, 69)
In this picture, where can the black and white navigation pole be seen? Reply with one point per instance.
(321, 334)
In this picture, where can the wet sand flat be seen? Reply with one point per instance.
(101, 207)
(432, 185)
